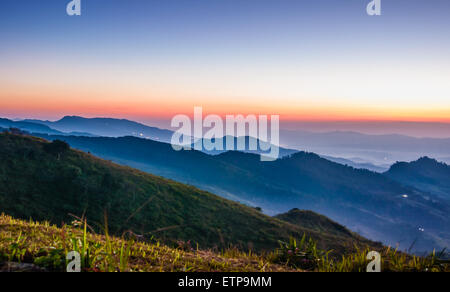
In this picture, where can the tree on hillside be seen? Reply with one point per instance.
(57, 148)
(16, 131)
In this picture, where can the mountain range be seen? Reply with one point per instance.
(369, 203)
(389, 206)
(380, 150)
(51, 182)
(425, 174)
(36, 127)
(358, 165)
(377, 152)
(107, 127)
(28, 126)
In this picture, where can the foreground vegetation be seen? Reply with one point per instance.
(304, 254)
(46, 246)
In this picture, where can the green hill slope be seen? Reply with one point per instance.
(47, 181)
(314, 221)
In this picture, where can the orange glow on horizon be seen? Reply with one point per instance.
(166, 108)
(55, 101)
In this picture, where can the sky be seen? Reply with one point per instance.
(306, 60)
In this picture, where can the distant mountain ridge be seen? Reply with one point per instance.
(28, 126)
(36, 127)
(107, 127)
(248, 141)
(361, 149)
(374, 152)
(375, 149)
(425, 174)
(358, 165)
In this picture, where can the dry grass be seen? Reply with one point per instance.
(46, 245)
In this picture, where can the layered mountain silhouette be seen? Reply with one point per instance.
(372, 204)
(36, 127)
(107, 127)
(375, 149)
(28, 126)
(50, 181)
(358, 165)
(249, 145)
(425, 174)
(374, 152)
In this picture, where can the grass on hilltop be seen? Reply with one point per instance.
(46, 246)
(304, 254)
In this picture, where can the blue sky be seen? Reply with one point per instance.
(272, 56)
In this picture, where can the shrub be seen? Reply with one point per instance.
(300, 255)
(57, 148)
